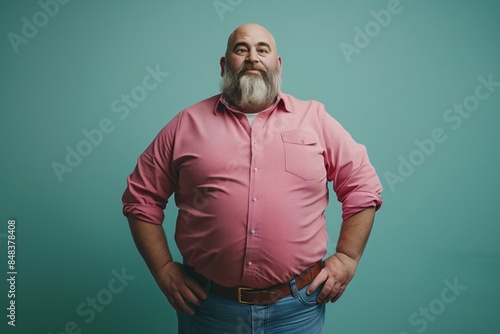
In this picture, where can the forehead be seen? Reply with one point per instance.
(252, 35)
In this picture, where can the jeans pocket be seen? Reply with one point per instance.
(305, 299)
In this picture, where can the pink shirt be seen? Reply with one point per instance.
(251, 199)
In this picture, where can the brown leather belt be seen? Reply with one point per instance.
(269, 295)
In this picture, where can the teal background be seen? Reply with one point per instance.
(440, 224)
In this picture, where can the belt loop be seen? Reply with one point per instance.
(293, 287)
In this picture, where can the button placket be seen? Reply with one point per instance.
(252, 242)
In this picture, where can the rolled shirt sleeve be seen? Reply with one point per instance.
(354, 178)
(153, 181)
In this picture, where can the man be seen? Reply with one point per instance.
(249, 170)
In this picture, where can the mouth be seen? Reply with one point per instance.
(253, 71)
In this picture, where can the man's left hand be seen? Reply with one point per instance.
(338, 271)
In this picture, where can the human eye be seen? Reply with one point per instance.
(241, 50)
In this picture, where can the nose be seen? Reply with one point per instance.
(253, 56)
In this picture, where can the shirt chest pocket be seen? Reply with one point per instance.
(303, 155)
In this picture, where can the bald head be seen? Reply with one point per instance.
(249, 30)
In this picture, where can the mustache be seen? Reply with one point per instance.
(254, 67)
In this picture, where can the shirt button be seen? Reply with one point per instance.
(252, 231)
(254, 199)
(255, 169)
(250, 263)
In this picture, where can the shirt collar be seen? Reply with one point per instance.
(282, 102)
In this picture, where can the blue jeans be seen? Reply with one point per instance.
(297, 313)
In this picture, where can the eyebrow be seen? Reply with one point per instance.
(245, 44)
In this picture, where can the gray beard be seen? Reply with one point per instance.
(251, 91)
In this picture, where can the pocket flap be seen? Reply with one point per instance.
(298, 136)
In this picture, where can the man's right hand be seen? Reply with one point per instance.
(180, 288)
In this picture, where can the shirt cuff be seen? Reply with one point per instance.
(148, 213)
(358, 201)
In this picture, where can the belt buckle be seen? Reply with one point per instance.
(239, 295)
